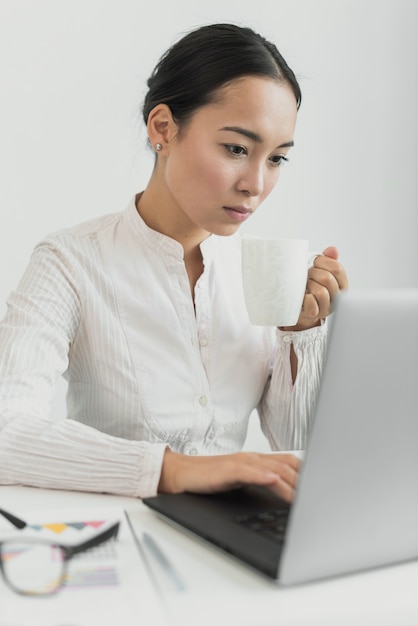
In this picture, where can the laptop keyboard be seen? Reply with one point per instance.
(271, 524)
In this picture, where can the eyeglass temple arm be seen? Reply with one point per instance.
(16, 521)
(70, 551)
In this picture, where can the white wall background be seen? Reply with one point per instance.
(72, 144)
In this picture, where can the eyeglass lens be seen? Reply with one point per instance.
(33, 568)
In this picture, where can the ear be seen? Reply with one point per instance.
(161, 126)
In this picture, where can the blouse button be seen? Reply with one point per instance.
(287, 338)
(193, 452)
(203, 400)
(203, 342)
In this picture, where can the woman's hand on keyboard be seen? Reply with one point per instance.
(209, 474)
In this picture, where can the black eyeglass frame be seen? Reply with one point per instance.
(68, 551)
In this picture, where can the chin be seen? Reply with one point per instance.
(225, 230)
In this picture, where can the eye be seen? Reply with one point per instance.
(235, 150)
(278, 159)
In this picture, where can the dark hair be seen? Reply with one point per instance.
(189, 74)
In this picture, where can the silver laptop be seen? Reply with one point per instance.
(356, 504)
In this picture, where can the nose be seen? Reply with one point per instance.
(252, 181)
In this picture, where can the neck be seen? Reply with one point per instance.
(165, 218)
(160, 213)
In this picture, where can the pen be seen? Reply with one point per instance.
(155, 549)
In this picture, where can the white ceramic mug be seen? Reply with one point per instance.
(274, 278)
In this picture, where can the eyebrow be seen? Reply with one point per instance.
(254, 136)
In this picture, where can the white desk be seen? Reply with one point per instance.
(218, 591)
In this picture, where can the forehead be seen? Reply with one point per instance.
(263, 105)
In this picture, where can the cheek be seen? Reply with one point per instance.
(208, 167)
(215, 176)
(200, 173)
(270, 183)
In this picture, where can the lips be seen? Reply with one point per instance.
(238, 213)
(238, 209)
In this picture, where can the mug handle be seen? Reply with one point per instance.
(311, 258)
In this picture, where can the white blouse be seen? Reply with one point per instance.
(107, 304)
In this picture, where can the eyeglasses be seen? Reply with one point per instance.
(38, 567)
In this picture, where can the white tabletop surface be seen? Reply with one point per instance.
(217, 590)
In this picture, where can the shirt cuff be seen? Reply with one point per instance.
(302, 337)
(153, 456)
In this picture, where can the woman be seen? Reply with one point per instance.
(142, 311)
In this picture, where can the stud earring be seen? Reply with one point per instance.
(158, 147)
